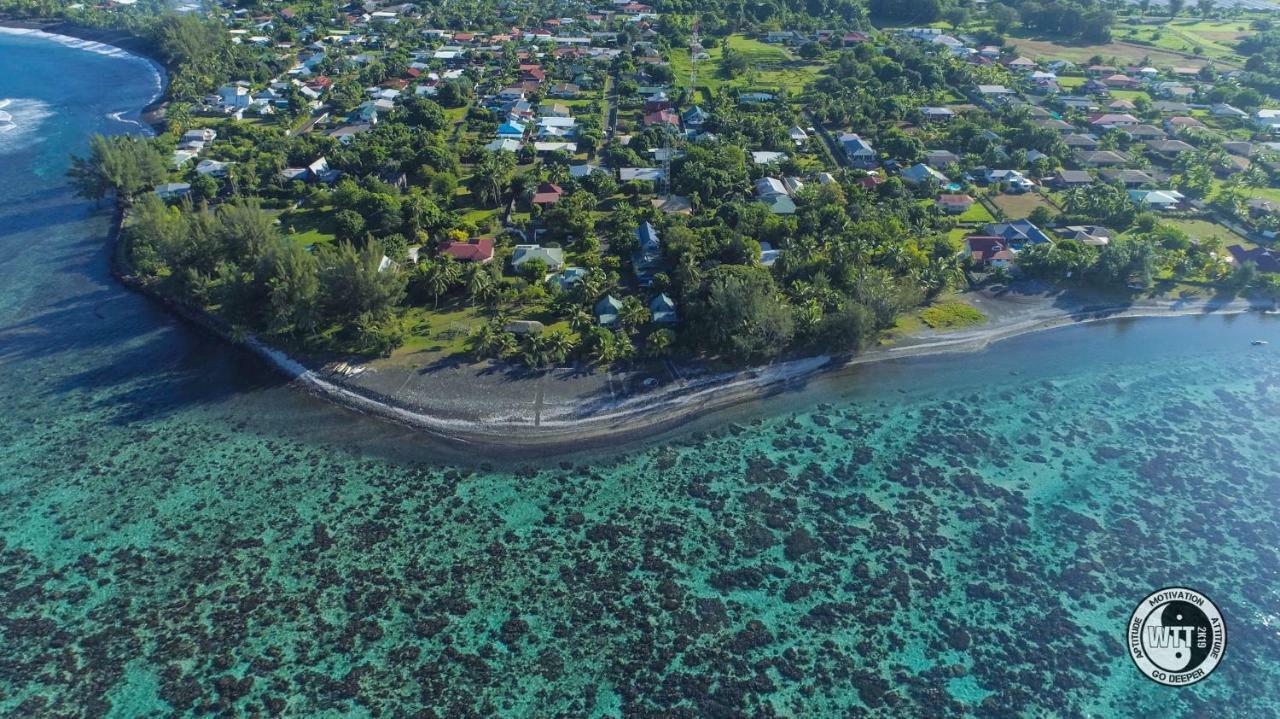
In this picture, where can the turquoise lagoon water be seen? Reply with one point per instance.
(180, 535)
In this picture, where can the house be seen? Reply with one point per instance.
(662, 117)
(995, 93)
(1170, 107)
(607, 310)
(647, 257)
(547, 194)
(524, 327)
(1109, 121)
(1121, 82)
(1169, 149)
(798, 135)
(1267, 119)
(1162, 200)
(173, 190)
(503, 145)
(749, 98)
(1145, 132)
(203, 135)
(921, 173)
(955, 204)
(858, 150)
(510, 130)
(1100, 158)
(1017, 233)
(939, 159)
(213, 168)
(988, 252)
(479, 251)
(1174, 124)
(1128, 178)
(1079, 141)
(1264, 259)
(641, 174)
(578, 172)
(663, 311)
(1013, 180)
(1222, 109)
(1056, 125)
(1021, 64)
(234, 97)
(1067, 179)
(768, 255)
(694, 117)
(1086, 234)
(554, 110)
(1239, 149)
(775, 194)
(937, 114)
(552, 257)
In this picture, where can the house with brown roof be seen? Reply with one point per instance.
(955, 203)
(547, 194)
(988, 251)
(479, 251)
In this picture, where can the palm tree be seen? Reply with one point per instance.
(633, 314)
(580, 320)
(480, 283)
(560, 345)
(492, 341)
(441, 275)
(537, 350)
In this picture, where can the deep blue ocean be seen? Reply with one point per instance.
(181, 534)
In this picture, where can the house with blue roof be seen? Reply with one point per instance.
(607, 310)
(511, 130)
(663, 310)
(648, 256)
(1017, 234)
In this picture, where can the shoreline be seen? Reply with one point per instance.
(68, 33)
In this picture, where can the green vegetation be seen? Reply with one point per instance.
(951, 315)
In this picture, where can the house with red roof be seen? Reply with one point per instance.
(479, 251)
(547, 194)
(662, 117)
(988, 251)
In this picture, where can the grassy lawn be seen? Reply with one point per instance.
(1016, 207)
(1203, 229)
(977, 213)
(432, 334)
(770, 66)
(311, 226)
(951, 315)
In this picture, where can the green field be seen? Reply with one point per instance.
(770, 67)
(1214, 39)
(951, 315)
(310, 226)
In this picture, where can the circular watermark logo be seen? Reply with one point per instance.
(1176, 636)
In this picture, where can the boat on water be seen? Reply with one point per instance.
(1258, 343)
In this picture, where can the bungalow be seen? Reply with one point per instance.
(937, 114)
(1120, 81)
(1222, 109)
(565, 90)
(1169, 107)
(479, 251)
(1174, 124)
(213, 168)
(694, 117)
(1017, 233)
(858, 150)
(504, 145)
(988, 252)
(995, 93)
(1077, 141)
(1145, 132)
(173, 190)
(1014, 180)
(1163, 200)
(511, 130)
(544, 147)
(1100, 158)
(234, 97)
(768, 255)
(1055, 125)
(647, 257)
(939, 159)
(202, 135)
(798, 135)
(1021, 64)
(1169, 149)
(775, 195)
(663, 311)
(1128, 178)
(662, 117)
(749, 98)
(1264, 259)
(1267, 119)
(641, 174)
(552, 257)
(1086, 234)
(1109, 121)
(764, 157)
(920, 173)
(607, 310)
(955, 204)
(547, 194)
(1067, 179)
(578, 172)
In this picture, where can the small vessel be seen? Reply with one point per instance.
(1258, 343)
